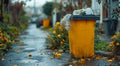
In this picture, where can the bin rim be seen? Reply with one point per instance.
(84, 17)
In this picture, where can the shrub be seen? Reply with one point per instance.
(5, 42)
(115, 44)
(101, 45)
(58, 37)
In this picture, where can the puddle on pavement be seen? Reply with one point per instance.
(29, 50)
(38, 58)
(29, 61)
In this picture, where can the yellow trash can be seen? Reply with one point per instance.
(81, 36)
(46, 23)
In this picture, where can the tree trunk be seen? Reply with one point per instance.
(80, 4)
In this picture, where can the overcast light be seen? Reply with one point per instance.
(31, 3)
(37, 3)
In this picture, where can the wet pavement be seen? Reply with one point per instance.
(31, 51)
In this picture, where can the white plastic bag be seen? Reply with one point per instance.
(88, 11)
(66, 21)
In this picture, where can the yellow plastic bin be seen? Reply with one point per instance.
(46, 23)
(81, 36)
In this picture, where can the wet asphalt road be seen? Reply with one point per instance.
(30, 51)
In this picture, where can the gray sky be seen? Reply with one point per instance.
(31, 3)
(38, 2)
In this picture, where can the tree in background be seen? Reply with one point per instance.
(10, 29)
(48, 8)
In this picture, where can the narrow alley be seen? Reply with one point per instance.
(30, 51)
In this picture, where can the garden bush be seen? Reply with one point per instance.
(102, 46)
(115, 44)
(5, 42)
(58, 37)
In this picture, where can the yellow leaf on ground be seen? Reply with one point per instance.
(30, 55)
(97, 58)
(74, 61)
(15, 65)
(58, 55)
(3, 58)
(113, 58)
(114, 37)
(51, 57)
(110, 60)
(17, 51)
(82, 61)
(60, 50)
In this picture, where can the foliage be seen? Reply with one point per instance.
(23, 21)
(13, 29)
(9, 30)
(48, 8)
(101, 45)
(5, 41)
(58, 37)
(115, 44)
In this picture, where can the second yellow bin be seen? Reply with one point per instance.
(46, 23)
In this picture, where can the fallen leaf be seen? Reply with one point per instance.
(15, 65)
(43, 53)
(74, 61)
(110, 60)
(113, 58)
(3, 58)
(88, 59)
(58, 55)
(82, 61)
(70, 65)
(51, 57)
(97, 58)
(30, 55)
(53, 53)
(17, 51)
(60, 50)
